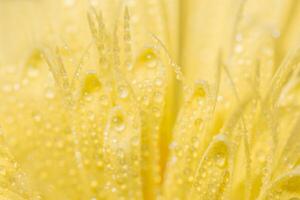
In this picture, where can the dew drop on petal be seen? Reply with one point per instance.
(158, 82)
(220, 160)
(149, 58)
(123, 92)
(158, 97)
(118, 123)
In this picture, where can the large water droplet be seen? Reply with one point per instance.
(91, 83)
(149, 58)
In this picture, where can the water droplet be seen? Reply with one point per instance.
(158, 97)
(118, 123)
(91, 83)
(199, 91)
(158, 82)
(123, 92)
(220, 160)
(156, 112)
(198, 122)
(149, 58)
(145, 100)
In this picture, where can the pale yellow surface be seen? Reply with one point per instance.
(149, 99)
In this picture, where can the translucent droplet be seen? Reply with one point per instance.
(145, 101)
(198, 122)
(91, 83)
(104, 100)
(158, 82)
(199, 91)
(158, 97)
(156, 112)
(220, 160)
(118, 123)
(149, 58)
(123, 92)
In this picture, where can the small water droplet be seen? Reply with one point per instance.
(220, 160)
(104, 100)
(158, 82)
(156, 112)
(158, 97)
(199, 91)
(198, 122)
(91, 83)
(145, 100)
(123, 92)
(118, 123)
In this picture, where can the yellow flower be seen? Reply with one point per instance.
(149, 99)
